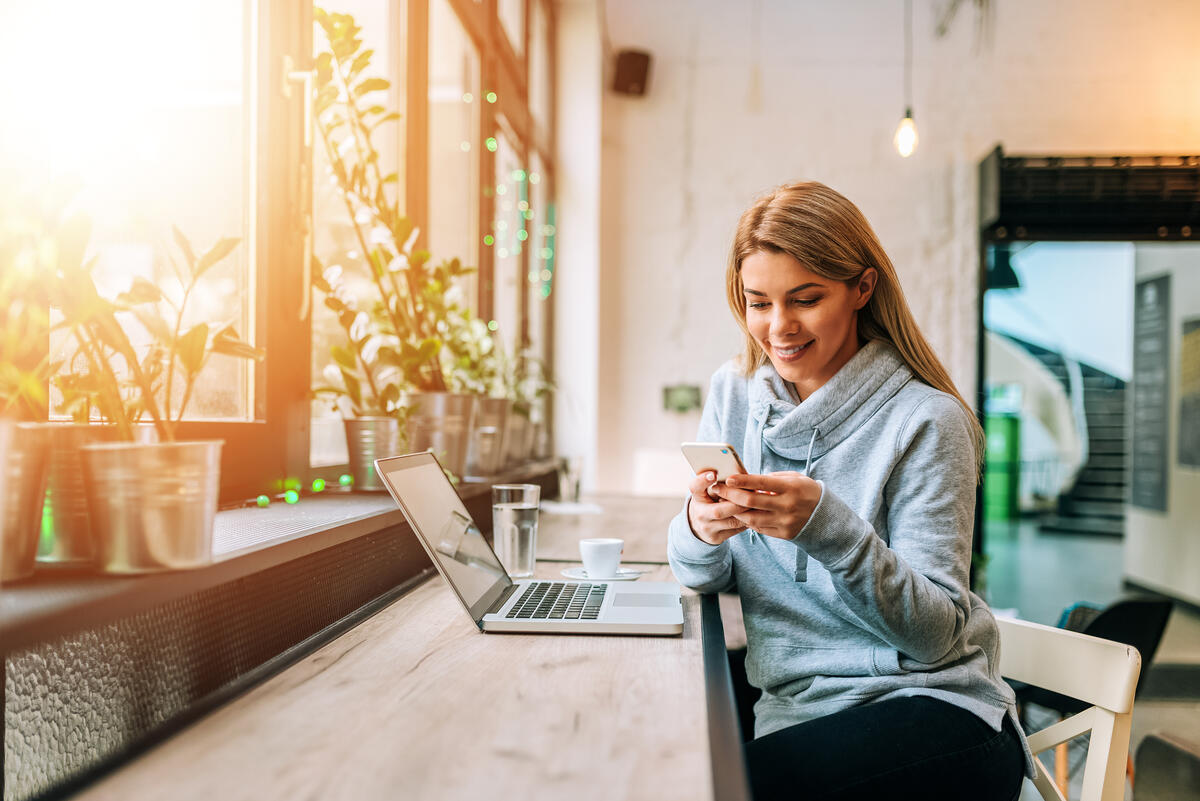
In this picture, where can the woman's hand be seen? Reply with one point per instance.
(776, 504)
(712, 520)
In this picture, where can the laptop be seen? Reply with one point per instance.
(493, 600)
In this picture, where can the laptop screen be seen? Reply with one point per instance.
(438, 517)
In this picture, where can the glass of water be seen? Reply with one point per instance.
(514, 526)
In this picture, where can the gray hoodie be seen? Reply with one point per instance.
(870, 600)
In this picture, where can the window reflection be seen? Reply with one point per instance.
(512, 20)
(148, 149)
(454, 143)
(334, 240)
(509, 229)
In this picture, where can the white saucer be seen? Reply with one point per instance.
(623, 574)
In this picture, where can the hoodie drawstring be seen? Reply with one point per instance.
(808, 460)
(801, 554)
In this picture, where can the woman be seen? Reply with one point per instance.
(849, 541)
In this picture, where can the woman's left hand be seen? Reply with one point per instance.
(779, 504)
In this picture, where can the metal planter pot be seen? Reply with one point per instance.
(24, 489)
(441, 422)
(486, 454)
(368, 439)
(520, 436)
(73, 540)
(6, 434)
(153, 505)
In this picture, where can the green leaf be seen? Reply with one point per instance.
(142, 291)
(185, 246)
(429, 348)
(154, 323)
(318, 276)
(390, 394)
(228, 343)
(344, 357)
(219, 251)
(353, 387)
(389, 356)
(375, 109)
(361, 61)
(191, 348)
(372, 85)
(395, 115)
(335, 303)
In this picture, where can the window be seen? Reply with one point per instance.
(455, 101)
(184, 131)
(512, 23)
(540, 219)
(335, 242)
(193, 130)
(539, 68)
(510, 236)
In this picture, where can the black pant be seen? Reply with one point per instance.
(918, 748)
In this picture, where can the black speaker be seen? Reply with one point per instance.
(632, 73)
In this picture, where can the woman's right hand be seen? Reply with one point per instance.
(712, 520)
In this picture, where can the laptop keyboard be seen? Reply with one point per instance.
(558, 600)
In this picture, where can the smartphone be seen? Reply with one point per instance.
(719, 457)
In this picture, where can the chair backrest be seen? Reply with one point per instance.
(1097, 671)
(1139, 622)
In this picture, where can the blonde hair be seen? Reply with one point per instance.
(828, 234)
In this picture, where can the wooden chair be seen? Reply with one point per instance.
(1099, 672)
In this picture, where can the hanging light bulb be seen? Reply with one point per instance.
(906, 135)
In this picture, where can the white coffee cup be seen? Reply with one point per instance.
(601, 556)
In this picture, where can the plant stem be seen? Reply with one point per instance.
(364, 146)
(171, 356)
(101, 367)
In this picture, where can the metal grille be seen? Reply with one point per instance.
(79, 704)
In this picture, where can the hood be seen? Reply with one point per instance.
(807, 430)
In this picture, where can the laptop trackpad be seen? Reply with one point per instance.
(644, 599)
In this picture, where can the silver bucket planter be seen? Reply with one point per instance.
(24, 498)
(519, 439)
(153, 505)
(72, 540)
(368, 439)
(441, 422)
(486, 455)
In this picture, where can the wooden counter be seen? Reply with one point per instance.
(417, 703)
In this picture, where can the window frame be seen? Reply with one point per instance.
(507, 74)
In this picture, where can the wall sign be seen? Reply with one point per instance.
(1151, 393)
(1189, 394)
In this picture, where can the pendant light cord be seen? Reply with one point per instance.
(908, 58)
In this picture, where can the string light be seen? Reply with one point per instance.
(346, 480)
(291, 496)
(318, 485)
(263, 501)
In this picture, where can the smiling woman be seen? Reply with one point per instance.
(808, 331)
(849, 536)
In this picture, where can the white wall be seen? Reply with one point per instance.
(1162, 549)
(812, 89)
(577, 281)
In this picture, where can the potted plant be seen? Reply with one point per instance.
(527, 384)
(400, 328)
(25, 245)
(476, 362)
(151, 504)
